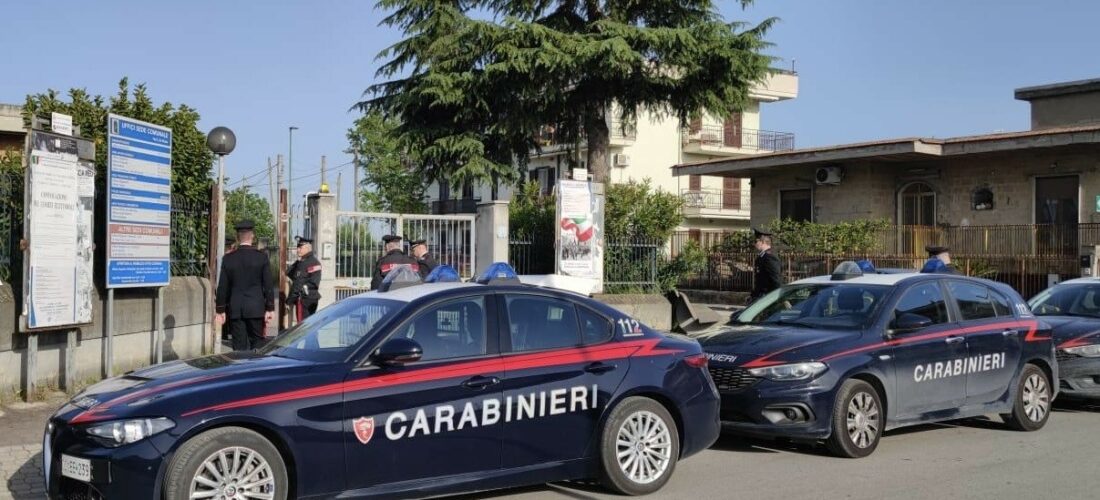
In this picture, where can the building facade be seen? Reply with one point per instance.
(11, 128)
(647, 148)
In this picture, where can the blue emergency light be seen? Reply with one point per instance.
(443, 274)
(866, 266)
(400, 277)
(498, 272)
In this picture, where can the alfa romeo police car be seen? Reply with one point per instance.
(409, 391)
(843, 358)
(1072, 308)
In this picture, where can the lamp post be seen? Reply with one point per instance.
(221, 142)
(290, 183)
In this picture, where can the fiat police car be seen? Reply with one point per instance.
(411, 390)
(1072, 308)
(842, 358)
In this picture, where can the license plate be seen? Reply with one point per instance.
(76, 468)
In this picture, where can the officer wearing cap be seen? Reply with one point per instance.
(766, 266)
(943, 254)
(424, 260)
(305, 281)
(246, 296)
(393, 258)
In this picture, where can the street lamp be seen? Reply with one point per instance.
(221, 142)
(290, 182)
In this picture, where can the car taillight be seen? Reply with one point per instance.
(696, 360)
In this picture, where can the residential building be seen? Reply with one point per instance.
(645, 150)
(1044, 182)
(11, 128)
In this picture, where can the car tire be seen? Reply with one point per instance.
(253, 457)
(1031, 404)
(646, 462)
(857, 420)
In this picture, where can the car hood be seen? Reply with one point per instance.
(150, 387)
(1070, 331)
(789, 343)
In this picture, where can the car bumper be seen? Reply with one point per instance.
(1079, 377)
(764, 410)
(701, 425)
(130, 471)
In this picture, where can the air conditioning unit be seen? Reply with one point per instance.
(622, 160)
(829, 175)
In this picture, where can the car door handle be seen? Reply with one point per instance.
(599, 367)
(955, 340)
(1010, 333)
(480, 382)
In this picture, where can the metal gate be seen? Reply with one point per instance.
(359, 244)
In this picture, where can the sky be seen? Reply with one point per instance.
(868, 69)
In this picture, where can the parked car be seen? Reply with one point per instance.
(408, 391)
(842, 358)
(1072, 308)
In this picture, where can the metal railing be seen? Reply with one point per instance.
(617, 130)
(632, 264)
(745, 138)
(532, 253)
(359, 242)
(11, 227)
(190, 237)
(719, 199)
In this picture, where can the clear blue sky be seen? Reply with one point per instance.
(868, 69)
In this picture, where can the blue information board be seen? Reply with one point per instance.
(139, 203)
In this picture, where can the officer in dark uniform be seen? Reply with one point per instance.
(393, 258)
(246, 295)
(305, 281)
(943, 254)
(419, 249)
(766, 266)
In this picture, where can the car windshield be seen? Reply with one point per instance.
(334, 331)
(817, 305)
(1068, 300)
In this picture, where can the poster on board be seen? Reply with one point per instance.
(577, 231)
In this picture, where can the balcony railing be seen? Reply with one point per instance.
(459, 206)
(745, 138)
(716, 199)
(617, 130)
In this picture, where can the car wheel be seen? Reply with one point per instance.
(1031, 406)
(639, 447)
(229, 462)
(857, 420)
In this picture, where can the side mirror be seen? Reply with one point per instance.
(908, 322)
(396, 352)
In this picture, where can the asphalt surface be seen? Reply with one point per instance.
(970, 459)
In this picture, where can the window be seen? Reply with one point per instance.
(973, 300)
(924, 300)
(817, 306)
(539, 323)
(918, 205)
(595, 329)
(1000, 305)
(454, 329)
(333, 331)
(796, 204)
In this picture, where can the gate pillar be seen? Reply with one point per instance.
(491, 241)
(322, 230)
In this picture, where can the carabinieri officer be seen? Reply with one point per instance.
(305, 281)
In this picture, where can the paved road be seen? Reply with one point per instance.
(973, 460)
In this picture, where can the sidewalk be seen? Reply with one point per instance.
(21, 428)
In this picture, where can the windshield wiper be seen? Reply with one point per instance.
(789, 322)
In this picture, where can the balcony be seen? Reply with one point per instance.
(716, 203)
(459, 206)
(720, 139)
(621, 134)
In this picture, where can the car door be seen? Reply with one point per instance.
(993, 340)
(554, 384)
(920, 356)
(435, 417)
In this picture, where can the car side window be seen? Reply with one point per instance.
(453, 329)
(925, 300)
(974, 301)
(1000, 304)
(595, 329)
(537, 323)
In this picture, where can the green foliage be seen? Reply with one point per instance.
(241, 203)
(692, 259)
(391, 178)
(736, 242)
(472, 92)
(635, 211)
(191, 159)
(859, 236)
(531, 213)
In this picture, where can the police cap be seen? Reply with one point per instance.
(420, 241)
(302, 240)
(934, 250)
(390, 238)
(244, 225)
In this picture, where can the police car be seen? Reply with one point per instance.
(1072, 308)
(842, 358)
(409, 391)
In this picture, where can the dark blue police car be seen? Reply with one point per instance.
(843, 358)
(1072, 308)
(413, 391)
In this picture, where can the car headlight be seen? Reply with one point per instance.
(120, 432)
(794, 371)
(1088, 351)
